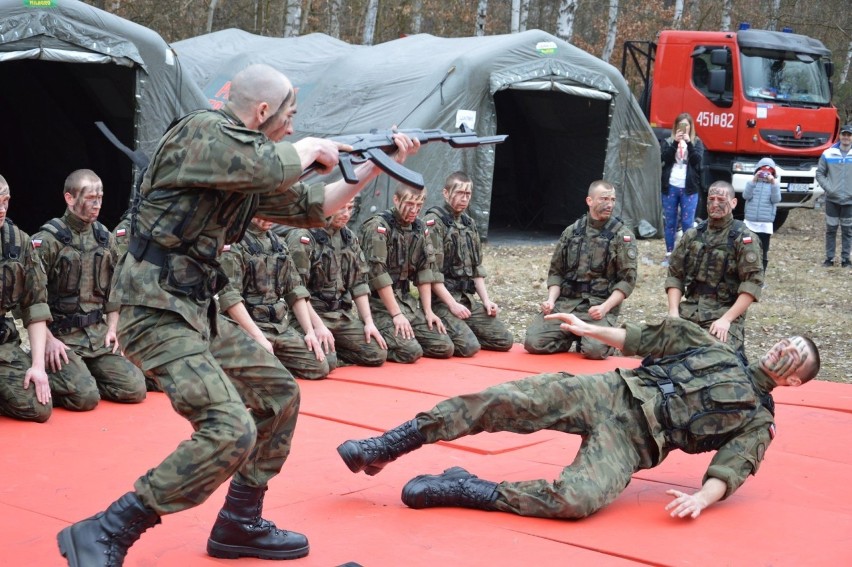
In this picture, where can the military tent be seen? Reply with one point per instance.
(570, 117)
(63, 66)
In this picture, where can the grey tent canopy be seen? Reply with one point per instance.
(63, 67)
(570, 117)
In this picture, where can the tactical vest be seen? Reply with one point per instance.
(706, 267)
(66, 277)
(327, 278)
(399, 244)
(14, 272)
(706, 399)
(462, 252)
(586, 260)
(266, 278)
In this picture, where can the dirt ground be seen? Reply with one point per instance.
(801, 297)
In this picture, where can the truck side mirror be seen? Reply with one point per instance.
(720, 57)
(718, 79)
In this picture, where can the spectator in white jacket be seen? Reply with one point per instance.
(762, 195)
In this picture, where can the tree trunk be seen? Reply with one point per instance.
(481, 13)
(565, 22)
(293, 18)
(612, 30)
(416, 16)
(524, 15)
(773, 15)
(726, 15)
(846, 66)
(514, 25)
(334, 18)
(370, 22)
(306, 17)
(677, 19)
(211, 11)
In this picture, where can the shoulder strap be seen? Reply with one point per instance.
(11, 246)
(57, 228)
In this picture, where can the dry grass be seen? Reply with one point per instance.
(801, 296)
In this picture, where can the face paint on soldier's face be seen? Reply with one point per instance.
(719, 203)
(4, 204)
(601, 204)
(409, 206)
(341, 218)
(785, 358)
(458, 196)
(87, 205)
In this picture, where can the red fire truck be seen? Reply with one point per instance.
(753, 94)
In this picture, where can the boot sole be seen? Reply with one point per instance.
(224, 551)
(66, 547)
(350, 458)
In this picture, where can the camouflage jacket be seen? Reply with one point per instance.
(697, 395)
(458, 248)
(397, 255)
(23, 288)
(335, 268)
(209, 175)
(261, 273)
(78, 259)
(593, 259)
(711, 265)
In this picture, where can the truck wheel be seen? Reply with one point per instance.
(780, 218)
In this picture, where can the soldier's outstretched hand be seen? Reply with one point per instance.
(570, 323)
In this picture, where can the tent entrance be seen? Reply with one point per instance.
(556, 147)
(48, 110)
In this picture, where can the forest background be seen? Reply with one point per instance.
(599, 27)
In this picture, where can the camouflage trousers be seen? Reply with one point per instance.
(290, 348)
(691, 311)
(546, 337)
(426, 342)
(15, 402)
(349, 342)
(480, 330)
(616, 442)
(92, 374)
(242, 405)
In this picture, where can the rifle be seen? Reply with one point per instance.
(376, 145)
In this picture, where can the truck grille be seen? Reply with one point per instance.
(787, 138)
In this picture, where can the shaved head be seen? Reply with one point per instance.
(4, 186)
(259, 83)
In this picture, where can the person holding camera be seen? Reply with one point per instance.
(762, 195)
(681, 154)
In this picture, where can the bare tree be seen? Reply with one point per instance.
(515, 25)
(565, 22)
(211, 12)
(726, 15)
(846, 65)
(677, 19)
(612, 30)
(416, 16)
(370, 22)
(773, 15)
(334, 18)
(481, 13)
(524, 15)
(292, 18)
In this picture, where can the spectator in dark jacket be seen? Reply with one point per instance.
(682, 154)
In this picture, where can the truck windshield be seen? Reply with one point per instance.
(786, 81)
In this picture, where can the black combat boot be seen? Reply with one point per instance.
(103, 539)
(239, 530)
(371, 455)
(455, 487)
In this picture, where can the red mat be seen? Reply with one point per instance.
(796, 511)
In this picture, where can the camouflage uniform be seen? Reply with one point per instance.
(262, 275)
(23, 291)
(712, 265)
(209, 176)
(335, 272)
(398, 256)
(79, 258)
(121, 236)
(691, 393)
(458, 254)
(592, 259)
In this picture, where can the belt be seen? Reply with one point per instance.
(76, 321)
(146, 249)
(464, 286)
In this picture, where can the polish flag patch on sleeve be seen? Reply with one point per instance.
(381, 230)
(772, 431)
(226, 247)
(628, 238)
(430, 222)
(120, 232)
(305, 240)
(746, 239)
(36, 243)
